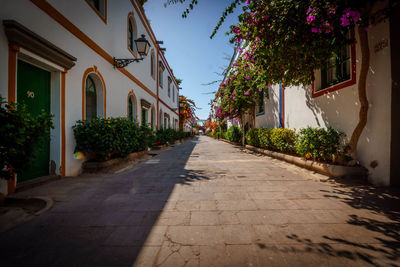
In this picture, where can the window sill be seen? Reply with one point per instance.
(333, 88)
(260, 114)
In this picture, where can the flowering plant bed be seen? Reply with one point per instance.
(331, 170)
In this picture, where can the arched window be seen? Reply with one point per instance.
(144, 116)
(93, 94)
(166, 120)
(161, 69)
(132, 34)
(91, 99)
(152, 118)
(152, 65)
(169, 86)
(160, 121)
(132, 107)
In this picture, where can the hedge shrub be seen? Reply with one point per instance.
(253, 137)
(264, 136)
(234, 134)
(283, 139)
(169, 136)
(101, 138)
(327, 145)
(321, 144)
(220, 134)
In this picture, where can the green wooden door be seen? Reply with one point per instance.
(33, 89)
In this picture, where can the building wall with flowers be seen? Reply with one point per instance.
(338, 106)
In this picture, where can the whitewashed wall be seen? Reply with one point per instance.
(111, 37)
(270, 118)
(340, 108)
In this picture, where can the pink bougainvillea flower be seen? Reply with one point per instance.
(345, 21)
(236, 30)
(314, 29)
(310, 19)
(248, 77)
(260, 89)
(233, 97)
(355, 15)
(246, 93)
(234, 91)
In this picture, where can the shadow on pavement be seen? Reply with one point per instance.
(104, 220)
(370, 237)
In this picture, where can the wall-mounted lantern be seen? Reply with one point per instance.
(142, 47)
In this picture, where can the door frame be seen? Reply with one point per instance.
(57, 103)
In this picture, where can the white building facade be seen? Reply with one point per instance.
(329, 102)
(59, 56)
(332, 100)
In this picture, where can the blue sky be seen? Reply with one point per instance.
(192, 55)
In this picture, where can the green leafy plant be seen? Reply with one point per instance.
(264, 135)
(101, 139)
(234, 134)
(283, 139)
(19, 133)
(169, 136)
(321, 144)
(146, 136)
(253, 137)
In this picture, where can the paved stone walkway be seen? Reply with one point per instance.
(207, 203)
